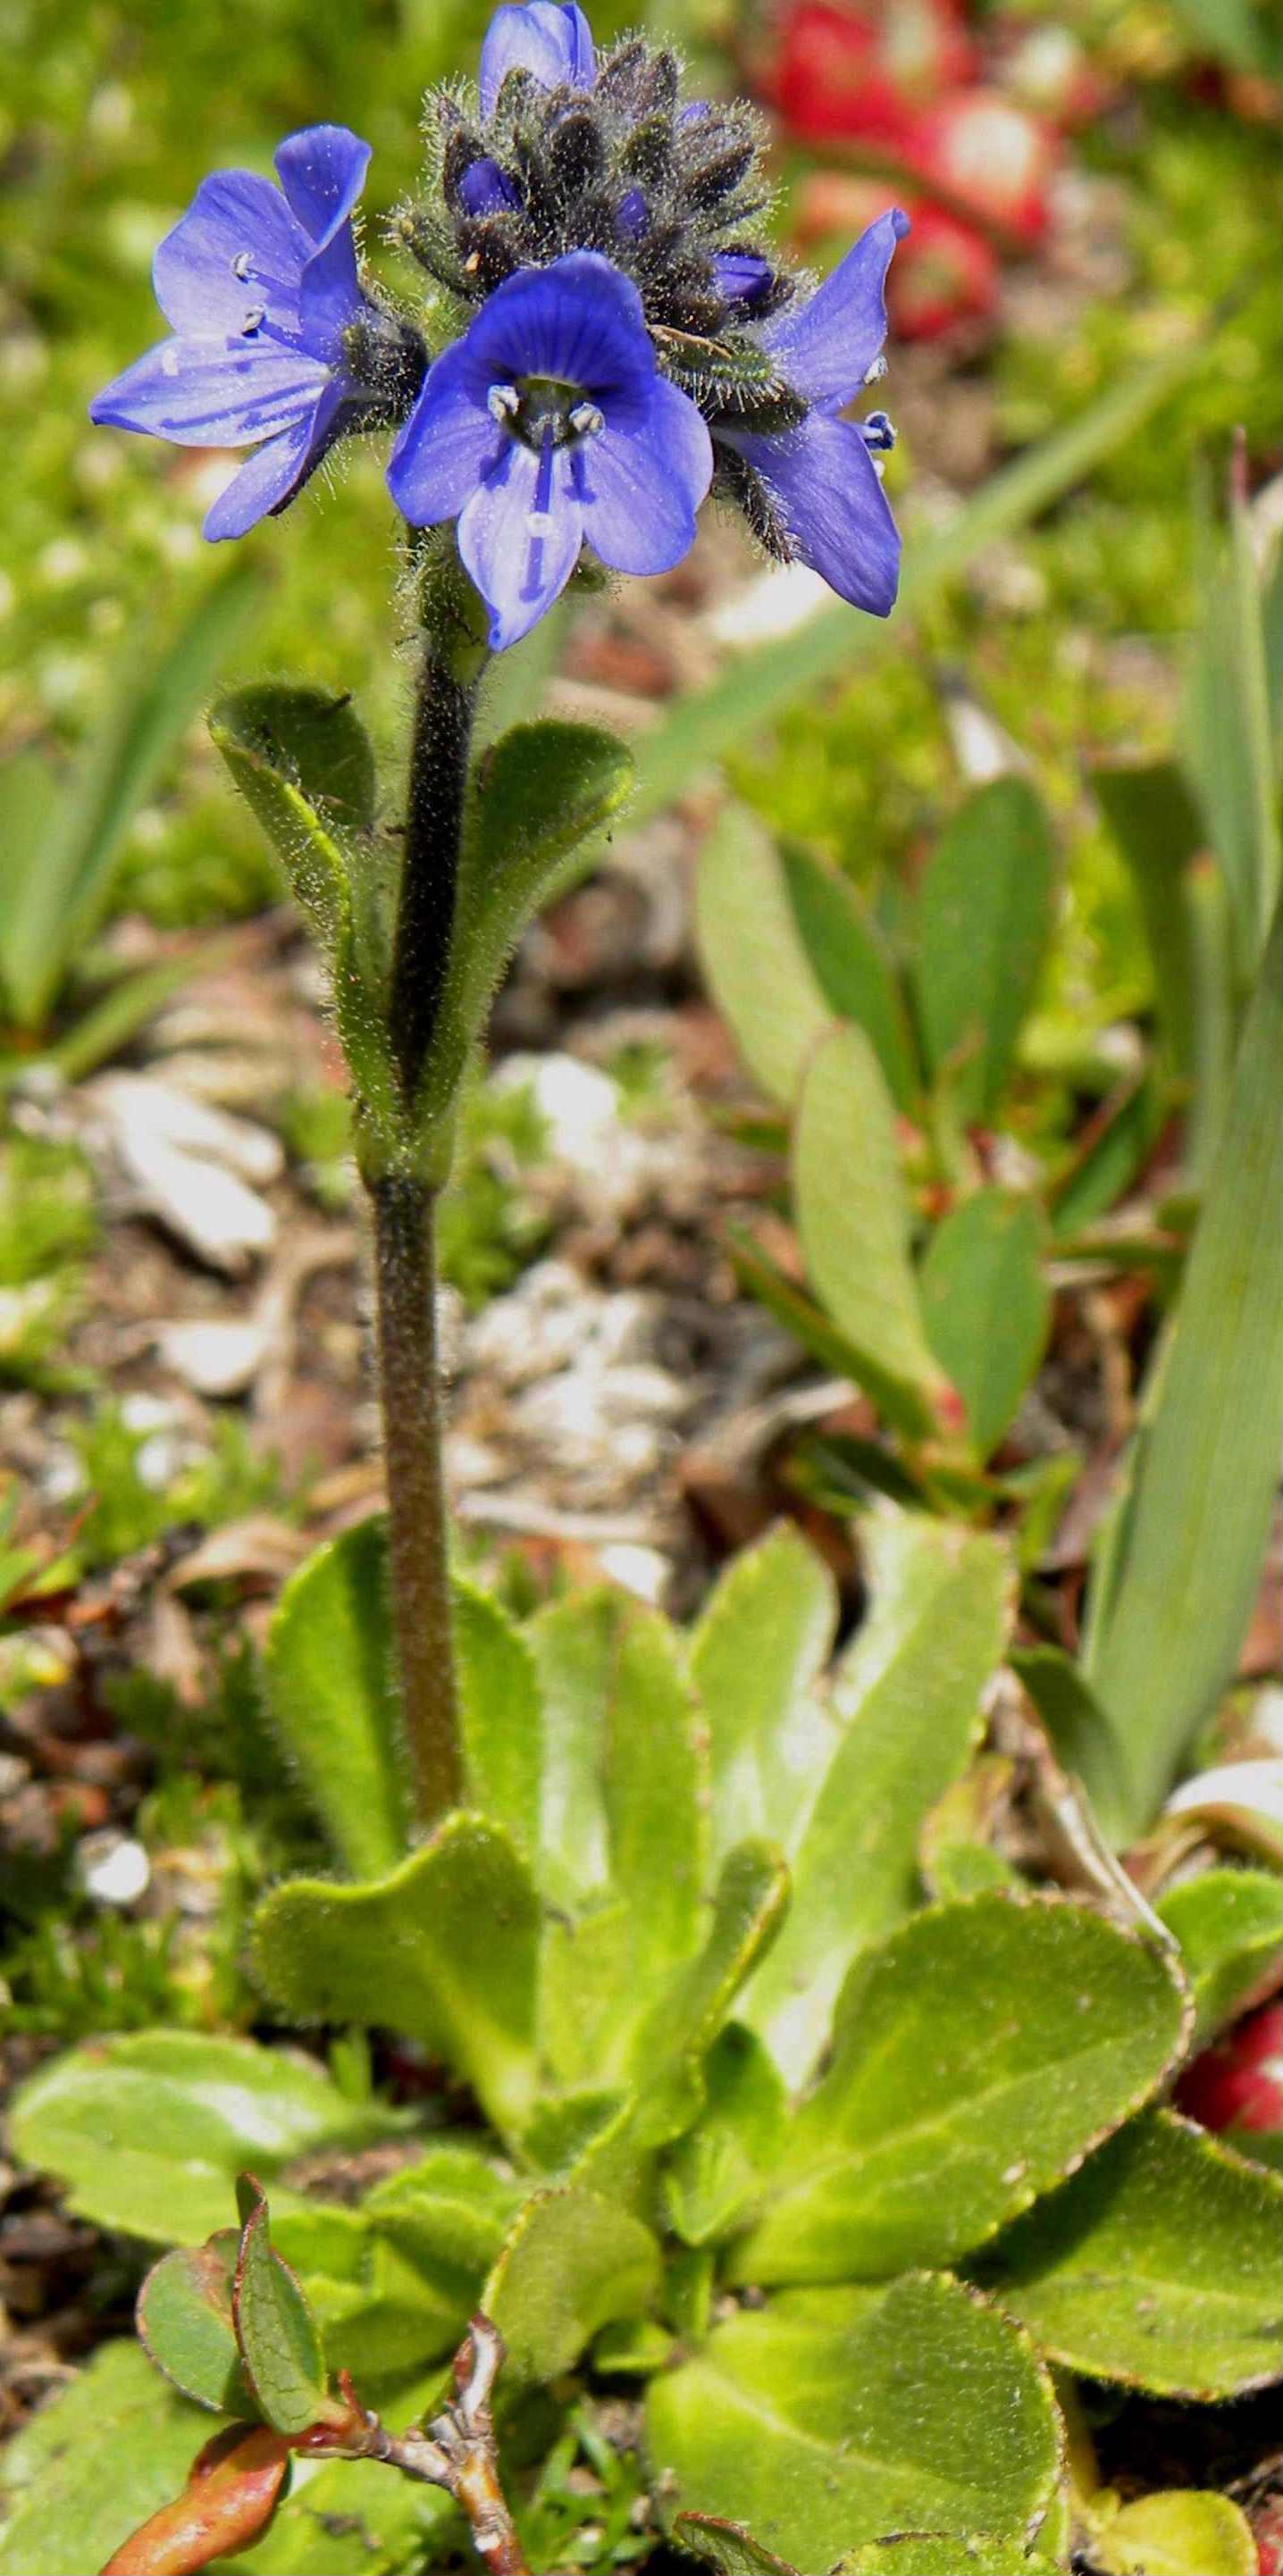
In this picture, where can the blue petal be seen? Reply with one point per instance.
(834, 507)
(641, 481)
(329, 297)
(827, 345)
(579, 321)
(551, 41)
(485, 189)
(275, 472)
(238, 246)
(742, 275)
(446, 444)
(519, 537)
(632, 215)
(322, 171)
(212, 393)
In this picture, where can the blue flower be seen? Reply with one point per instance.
(820, 475)
(547, 425)
(260, 286)
(550, 39)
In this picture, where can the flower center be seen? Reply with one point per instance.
(543, 412)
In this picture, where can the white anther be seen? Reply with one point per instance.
(586, 421)
(540, 523)
(252, 320)
(243, 264)
(503, 402)
(875, 373)
(169, 362)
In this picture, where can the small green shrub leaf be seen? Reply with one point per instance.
(854, 1221)
(574, 1646)
(184, 2113)
(984, 919)
(443, 1949)
(851, 964)
(756, 1658)
(901, 2156)
(279, 2339)
(501, 1715)
(186, 2324)
(1157, 2265)
(726, 2545)
(573, 2263)
(104, 2456)
(1184, 2531)
(331, 1697)
(748, 1907)
(721, 2168)
(1230, 1928)
(834, 2416)
(308, 736)
(907, 1698)
(987, 1307)
(758, 970)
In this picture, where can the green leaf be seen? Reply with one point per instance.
(798, 1313)
(756, 1658)
(852, 965)
(501, 1716)
(572, 2264)
(756, 686)
(1164, 1634)
(1229, 1923)
(186, 2325)
(331, 1697)
(96, 2462)
(393, 2282)
(907, 1696)
(719, 2170)
(753, 954)
(1157, 2265)
(1226, 734)
(107, 1026)
(279, 2339)
(1186, 2531)
(296, 756)
(1162, 836)
(728, 2546)
(65, 881)
(985, 913)
(748, 1906)
(987, 1307)
(536, 796)
(854, 1220)
(443, 1949)
(184, 2114)
(834, 2416)
(574, 1644)
(978, 2055)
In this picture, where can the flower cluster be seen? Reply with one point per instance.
(623, 338)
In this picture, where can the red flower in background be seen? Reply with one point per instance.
(1238, 2083)
(990, 154)
(863, 74)
(944, 273)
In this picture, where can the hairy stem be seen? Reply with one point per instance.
(438, 786)
(411, 1395)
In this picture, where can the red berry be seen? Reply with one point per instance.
(863, 73)
(942, 274)
(1238, 2083)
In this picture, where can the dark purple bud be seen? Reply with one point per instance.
(485, 189)
(632, 215)
(743, 276)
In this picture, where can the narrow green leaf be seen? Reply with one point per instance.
(108, 1025)
(1166, 1637)
(748, 1907)
(65, 891)
(985, 911)
(750, 942)
(792, 1308)
(756, 1658)
(1229, 1923)
(306, 735)
(852, 964)
(899, 2157)
(572, 2264)
(537, 795)
(280, 2343)
(834, 2416)
(331, 1697)
(186, 2326)
(443, 1949)
(908, 1697)
(1227, 737)
(719, 2170)
(741, 702)
(1159, 830)
(501, 1715)
(987, 1307)
(184, 2113)
(106, 2453)
(1073, 1717)
(1186, 2531)
(853, 1218)
(1157, 2265)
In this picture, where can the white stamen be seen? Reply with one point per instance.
(503, 402)
(253, 318)
(586, 421)
(243, 264)
(540, 523)
(169, 362)
(875, 373)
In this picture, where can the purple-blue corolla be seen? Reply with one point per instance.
(550, 39)
(260, 286)
(821, 475)
(546, 426)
